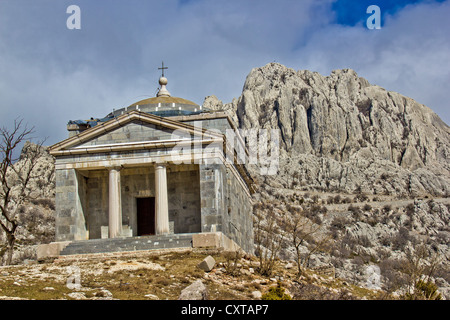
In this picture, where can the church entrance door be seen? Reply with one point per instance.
(146, 216)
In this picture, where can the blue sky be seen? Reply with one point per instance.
(50, 74)
(348, 12)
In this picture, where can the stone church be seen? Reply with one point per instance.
(161, 167)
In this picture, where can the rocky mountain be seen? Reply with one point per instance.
(370, 166)
(340, 133)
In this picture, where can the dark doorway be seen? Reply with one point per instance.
(146, 216)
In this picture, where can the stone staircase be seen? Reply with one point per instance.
(129, 244)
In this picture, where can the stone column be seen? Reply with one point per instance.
(115, 203)
(161, 202)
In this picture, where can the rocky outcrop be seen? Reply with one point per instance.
(340, 133)
(42, 182)
(36, 214)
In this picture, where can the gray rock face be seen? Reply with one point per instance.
(42, 181)
(341, 133)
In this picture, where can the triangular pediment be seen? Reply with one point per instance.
(132, 128)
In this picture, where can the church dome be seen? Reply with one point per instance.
(163, 105)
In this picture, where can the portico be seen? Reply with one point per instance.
(115, 201)
(129, 200)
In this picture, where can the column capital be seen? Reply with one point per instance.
(112, 167)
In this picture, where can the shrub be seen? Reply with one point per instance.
(231, 262)
(276, 293)
(330, 200)
(386, 241)
(372, 221)
(365, 241)
(347, 200)
(349, 241)
(424, 290)
(356, 212)
(362, 197)
(391, 270)
(337, 199)
(401, 239)
(339, 222)
(410, 209)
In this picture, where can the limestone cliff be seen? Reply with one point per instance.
(341, 133)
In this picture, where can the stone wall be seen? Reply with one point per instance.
(70, 220)
(212, 196)
(226, 205)
(183, 185)
(220, 124)
(98, 204)
(239, 217)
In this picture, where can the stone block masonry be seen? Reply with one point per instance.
(70, 201)
(216, 240)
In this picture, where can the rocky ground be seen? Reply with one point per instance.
(365, 232)
(160, 275)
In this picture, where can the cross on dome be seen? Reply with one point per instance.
(163, 68)
(163, 92)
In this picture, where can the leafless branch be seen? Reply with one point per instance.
(15, 177)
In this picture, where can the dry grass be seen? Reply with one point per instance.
(146, 275)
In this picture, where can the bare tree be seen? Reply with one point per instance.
(15, 179)
(303, 231)
(268, 237)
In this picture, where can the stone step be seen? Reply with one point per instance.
(128, 244)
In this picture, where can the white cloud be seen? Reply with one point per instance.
(51, 75)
